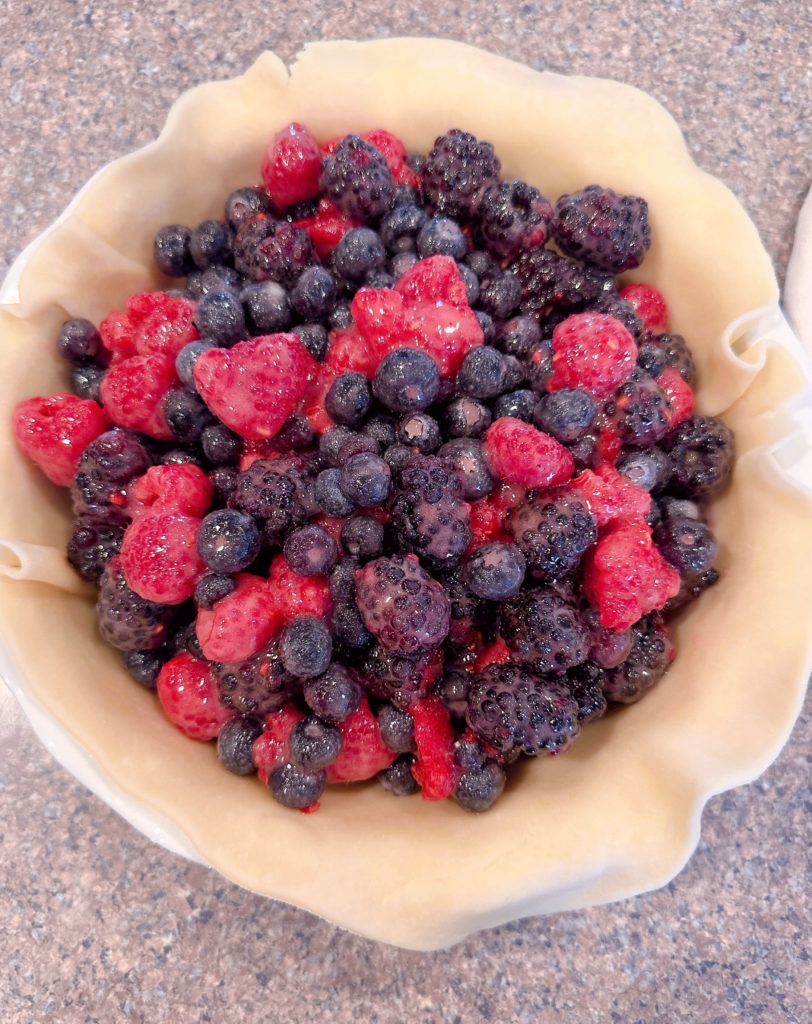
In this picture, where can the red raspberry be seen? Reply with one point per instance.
(626, 577)
(349, 351)
(487, 515)
(312, 405)
(520, 454)
(393, 151)
(436, 279)
(609, 445)
(240, 625)
(298, 595)
(363, 752)
(254, 386)
(161, 324)
(118, 334)
(326, 227)
(271, 748)
(592, 351)
(444, 332)
(648, 304)
(678, 392)
(497, 653)
(133, 391)
(187, 691)
(380, 316)
(292, 165)
(183, 488)
(434, 737)
(610, 495)
(54, 431)
(159, 557)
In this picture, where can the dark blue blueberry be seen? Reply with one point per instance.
(366, 480)
(220, 318)
(349, 627)
(293, 787)
(329, 496)
(267, 305)
(210, 244)
(468, 753)
(482, 264)
(342, 579)
(314, 294)
(519, 336)
(518, 404)
(79, 342)
(468, 458)
(224, 480)
(466, 417)
(382, 428)
(495, 572)
(85, 381)
(186, 414)
(399, 228)
(397, 729)
(310, 550)
(315, 339)
(539, 366)
(354, 445)
(441, 236)
(235, 742)
(220, 445)
(334, 695)
(170, 250)
(566, 415)
(144, 666)
(295, 435)
(186, 359)
(379, 278)
(400, 264)
(363, 537)
(486, 323)
(397, 779)
(482, 373)
(687, 544)
(406, 380)
(396, 456)
(306, 647)
(405, 195)
(500, 294)
(649, 469)
(359, 251)
(228, 541)
(181, 457)
(314, 744)
(452, 689)
(330, 444)
(471, 282)
(515, 373)
(213, 587)
(421, 431)
(214, 279)
(348, 399)
(244, 203)
(480, 788)
(674, 508)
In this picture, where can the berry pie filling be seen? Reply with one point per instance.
(397, 479)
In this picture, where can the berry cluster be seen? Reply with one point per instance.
(383, 486)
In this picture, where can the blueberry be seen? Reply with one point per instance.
(329, 496)
(482, 373)
(363, 537)
(245, 203)
(478, 789)
(170, 250)
(382, 428)
(354, 445)
(79, 342)
(348, 399)
(441, 236)
(396, 456)
(85, 381)
(466, 417)
(181, 457)
(471, 282)
(500, 295)
(539, 366)
(314, 744)
(566, 415)
(314, 294)
(315, 339)
(366, 480)
(224, 481)
(342, 579)
(228, 541)
(295, 435)
(397, 779)
(486, 324)
(649, 469)
(379, 278)
(482, 263)
(397, 729)
(306, 647)
(267, 305)
(515, 373)
(144, 666)
(421, 431)
(519, 336)
(235, 741)
(310, 550)
(293, 787)
(186, 414)
(334, 695)
(187, 358)
(405, 195)
(359, 251)
(220, 445)
(518, 404)
(220, 318)
(452, 689)
(214, 279)
(210, 244)
(406, 380)
(495, 572)
(212, 587)
(402, 263)
(673, 508)
(467, 752)
(399, 228)
(687, 544)
(349, 627)
(330, 443)
(468, 458)
(340, 317)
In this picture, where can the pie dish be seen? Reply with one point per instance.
(611, 819)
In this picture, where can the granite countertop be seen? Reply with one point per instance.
(101, 926)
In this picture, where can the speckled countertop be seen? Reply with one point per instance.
(98, 925)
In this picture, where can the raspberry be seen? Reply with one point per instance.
(487, 515)
(105, 468)
(271, 749)
(326, 227)
(188, 694)
(358, 179)
(255, 386)
(402, 605)
(552, 531)
(363, 752)
(456, 171)
(162, 325)
(241, 624)
(434, 736)
(401, 680)
(626, 577)
(519, 454)
(608, 231)
(54, 431)
(513, 217)
(497, 653)
(272, 249)
(592, 351)
(554, 284)
(393, 151)
(648, 304)
(679, 394)
(640, 411)
(349, 352)
(185, 489)
(436, 279)
(159, 556)
(94, 541)
(117, 334)
(610, 495)
(515, 712)
(444, 332)
(543, 631)
(702, 451)
(428, 515)
(292, 165)
(256, 686)
(298, 595)
(651, 654)
(127, 621)
(133, 393)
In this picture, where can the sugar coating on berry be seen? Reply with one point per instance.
(159, 556)
(518, 453)
(241, 624)
(292, 166)
(592, 351)
(54, 431)
(187, 691)
(298, 595)
(495, 572)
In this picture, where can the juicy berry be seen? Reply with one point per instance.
(495, 572)
(455, 172)
(519, 454)
(306, 647)
(512, 218)
(235, 742)
(543, 631)
(53, 432)
(702, 452)
(592, 351)
(333, 695)
(228, 541)
(608, 231)
(159, 556)
(310, 550)
(292, 166)
(552, 531)
(126, 620)
(651, 654)
(358, 179)
(188, 694)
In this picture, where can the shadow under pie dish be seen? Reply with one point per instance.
(619, 814)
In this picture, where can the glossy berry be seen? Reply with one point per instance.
(608, 231)
(187, 692)
(382, 428)
(518, 337)
(144, 666)
(186, 415)
(649, 469)
(621, 310)
(54, 432)
(366, 480)
(211, 588)
(543, 631)
(244, 203)
(329, 495)
(702, 451)
(85, 381)
(495, 572)
(566, 415)
(126, 620)
(258, 685)
(186, 359)
(592, 351)
(499, 295)
(220, 318)
(330, 443)
(171, 251)
(220, 445)
(106, 467)
(467, 457)
(79, 342)
(315, 339)
(355, 444)
(400, 227)
(398, 678)
(398, 779)
(363, 753)
(228, 541)
(519, 454)
(310, 550)
(159, 556)
(519, 404)
(333, 695)
(649, 305)
(483, 373)
(296, 788)
(268, 249)
(314, 294)
(314, 744)
(428, 514)
(397, 729)
(358, 179)
(348, 399)
(642, 412)
(362, 537)
(651, 654)
(306, 647)
(94, 541)
(210, 244)
(455, 172)
(421, 431)
(396, 456)
(267, 307)
(479, 788)
(359, 252)
(552, 284)
(277, 494)
(585, 685)
(687, 544)
(235, 741)
(441, 236)
(513, 217)
(466, 417)
(214, 279)
(292, 165)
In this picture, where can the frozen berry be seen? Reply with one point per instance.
(358, 179)
(144, 666)
(495, 572)
(314, 744)
(363, 752)
(421, 431)
(452, 689)
(277, 493)
(54, 432)
(396, 456)
(678, 508)
(543, 631)
(359, 252)
(400, 227)
(186, 415)
(296, 788)
(315, 339)
(220, 318)
(482, 373)
(133, 391)
(401, 264)
(292, 165)
(585, 685)
(428, 514)
(466, 417)
(215, 279)
(649, 305)
(608, 231)
(441, 236)
(398, 779)
(244, 203)
(363, 537)
(223, 480)
(258, 685)
(649, 469)
(159, 556)
(85, 381)
(126, 620)
(228, 541)
(434, 767)
(402, 605)
(479, 788)
(400, 679)
(78, 342)
(651, 654)
(186, 359)
(467, 457)
(267, 305)
(210, 244)
(348, 399)
(355, 444)
(171, 251)
(382, 428)
(455, 172)
(220, 445)
(106, 467)
(499, 295)
(513, 217)
(640, 412)
(333, 695)
(397, 729)
(518, 337)
(310, 550)
(266, 248)
(212, 587)
(306, 647)
(621, 310)
(567, 415)
(687, 544)
(340, 317)
(94, 541)
(366, 480)
(702, 451)
(519, 454)
(329, 496)
(592, 351)
(235, 741)
(518, 404)
(314, 294)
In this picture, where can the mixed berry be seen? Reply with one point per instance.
(384, 485)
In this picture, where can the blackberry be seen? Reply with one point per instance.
(315, 339)
(585, 686)
(395, 677)
(210, 244)
(245, 203)
(518, 337)
(187, 358)
(277, 494)
(552, 531)
(359, 252)
(687, 544)
(401, 264)
(366, 480)
(428, 515)
(94, 541)
(333, 695)
(464, 629)
(266, 248)
(397, 729)
(518, 404)
(495, 572)
(402, 605)
(259, 685)
(649, 469)
(105, 467)
(482, 373)
(293, 787)
(220, 445)
(499, 295)
(85, 381)
(543, 631)
(657, 351)
(145, 666)
(235, 741)
(421, 431)
(382, 428)
(220, 318)
(406, 380)
(479, 788)
(330, 444)
(306, 647)
(79, 342)
(363, 537)
(640, 411)
(348, 399)
(598, 226)
(513, 217)
(441, 236)
(397, 779)
(691, 589)
(171, 251)
(267, 306)
(452, 689)
(471, 282)
(567, 414)
(513, 711)
(651, 654)
(314, 744)
(187, 415)
(466, 417)
(551, 283)
(212, 587)
(355, 444)
(310, 550)
(621, 310)
(400, 228)
(228, 541)
(357, 178)
(329, 496)
(340, 317)
(314, 294)
(127, 621)
(702, 451)
(467, 456)
(455, 172)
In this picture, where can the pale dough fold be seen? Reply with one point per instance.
(620, 813)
